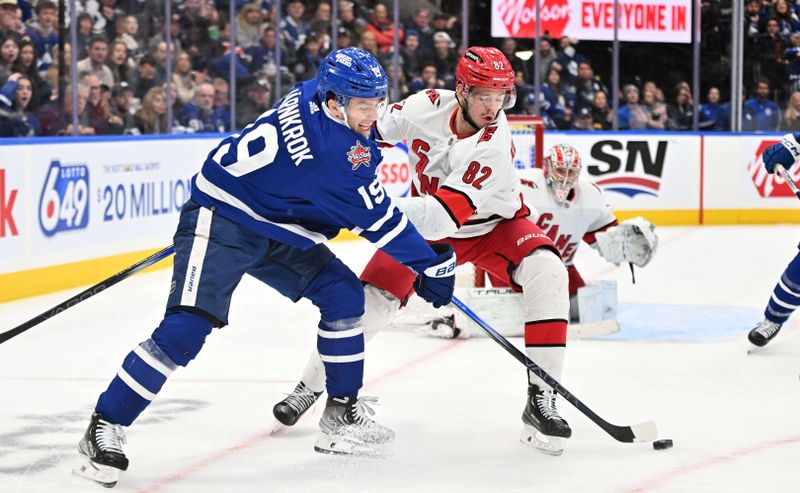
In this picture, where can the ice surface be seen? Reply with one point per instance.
(679, 359)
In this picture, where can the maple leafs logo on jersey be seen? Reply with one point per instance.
(359, 155)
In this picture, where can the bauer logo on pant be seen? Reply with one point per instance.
(64, 203)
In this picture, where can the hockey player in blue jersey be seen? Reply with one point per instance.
(786, 296)
(263, 204)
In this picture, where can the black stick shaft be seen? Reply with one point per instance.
(88, 293)
(620, 433)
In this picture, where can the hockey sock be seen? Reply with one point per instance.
(175, 342)
(379, 308)
(545, 294)
(341, 348)
(143, 373)
(786, 296)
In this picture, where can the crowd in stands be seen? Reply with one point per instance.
(122, 54)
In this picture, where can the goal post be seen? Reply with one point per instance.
(527, 133)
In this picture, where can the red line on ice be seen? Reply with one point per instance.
(682, 471)
(161, 484)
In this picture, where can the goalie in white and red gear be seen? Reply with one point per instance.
(465, 192)
(562, 167)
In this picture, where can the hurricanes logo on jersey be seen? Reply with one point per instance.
(359, 155)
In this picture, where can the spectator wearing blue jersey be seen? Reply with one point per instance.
(709, 111)
(293, 28)
(556, 102)
(761, 114)
(262, 55)
(264, 203)
(43, 30)
(197, 115)
(16, 119)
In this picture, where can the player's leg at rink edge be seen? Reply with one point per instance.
(783, 302)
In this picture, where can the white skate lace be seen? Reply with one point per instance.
(546, 402)
(362, 410)
(110, 437)
(767, 328)
(301, 399)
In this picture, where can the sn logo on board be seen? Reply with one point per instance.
(64, 203)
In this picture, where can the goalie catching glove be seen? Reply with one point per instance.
(435, 284)
(633, 241)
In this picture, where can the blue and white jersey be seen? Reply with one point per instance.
(298, 176)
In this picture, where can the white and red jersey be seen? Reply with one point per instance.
(587, 214)
(463, 185)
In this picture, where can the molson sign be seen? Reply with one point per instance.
(668, 21)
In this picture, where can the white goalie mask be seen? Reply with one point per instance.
(562, 166)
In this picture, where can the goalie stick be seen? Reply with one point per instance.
(788, 179)
(88, 293)
(642, 432)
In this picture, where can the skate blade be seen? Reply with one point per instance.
(337, 445)
(104, 475)
(753, 349)
(543, 443)
(277, 426)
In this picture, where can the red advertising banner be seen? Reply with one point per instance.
(667, 21)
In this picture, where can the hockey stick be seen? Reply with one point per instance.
(788, 179)
(642, 432)
(88, 293)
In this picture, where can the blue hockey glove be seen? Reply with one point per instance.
(785, 153)
(435, 285)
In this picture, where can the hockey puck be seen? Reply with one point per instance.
(662, 444)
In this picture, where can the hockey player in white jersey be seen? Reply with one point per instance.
(569, 209)
(465, 193)
(263, 204)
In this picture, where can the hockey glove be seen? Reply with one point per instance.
(435, 285)
(785, 153)
(634, 241)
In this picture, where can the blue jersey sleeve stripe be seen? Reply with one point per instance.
(380, 222)
(393, 233)
(221, 195)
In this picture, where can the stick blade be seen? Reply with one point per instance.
(645, 432)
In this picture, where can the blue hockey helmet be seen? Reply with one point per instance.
(351, 73)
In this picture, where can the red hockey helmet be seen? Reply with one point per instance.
(487, 67)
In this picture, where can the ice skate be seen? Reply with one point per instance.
(347, 428)
(442, 327)
(544, 429)
(101, 453)
(764, 332)
(289, 410)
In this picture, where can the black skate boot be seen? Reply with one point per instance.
(101, 453)
(544, 429)
(346, 428)
(764, 332)
(442, 327)
(289, 410)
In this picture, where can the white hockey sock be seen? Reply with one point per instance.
(379, 308)
(545, 293)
